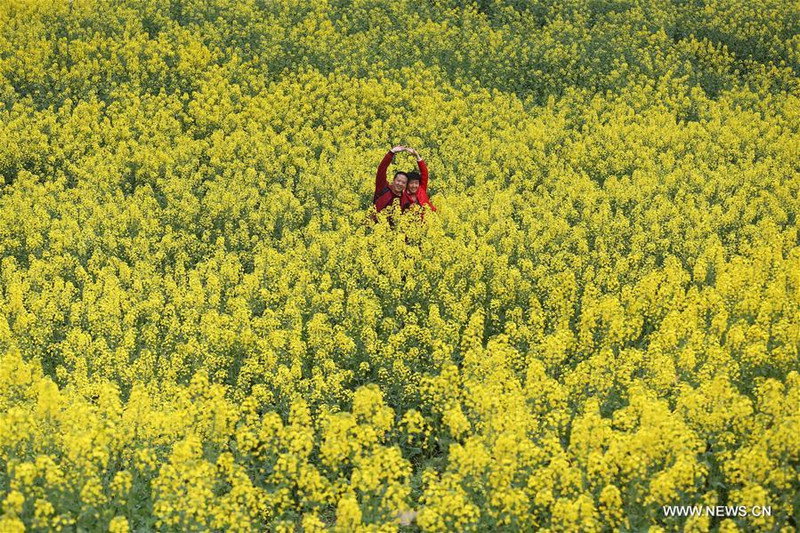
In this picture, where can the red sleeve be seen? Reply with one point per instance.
(382, 201)
(422, 195)
(423, 170)
(385, 200)
(423, 183)
(380, 176)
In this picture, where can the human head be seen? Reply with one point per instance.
(399, 182)
(412, 184)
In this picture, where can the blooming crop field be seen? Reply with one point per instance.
(201, 327)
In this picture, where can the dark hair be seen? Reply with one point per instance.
(403, 173)
(413, 175)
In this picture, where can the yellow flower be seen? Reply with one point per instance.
(348, 513)
(121, 485)
(13, 502)
(119, 524)
(12, 524)
(42, 510)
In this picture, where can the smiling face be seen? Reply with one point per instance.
(412, 187)
(399, 183)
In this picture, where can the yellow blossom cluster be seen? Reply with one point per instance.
(202, 327)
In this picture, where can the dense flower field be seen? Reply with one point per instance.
(200, 329)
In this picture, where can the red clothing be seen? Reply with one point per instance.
(421, 197)
(384, 195)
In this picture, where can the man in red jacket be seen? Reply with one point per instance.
(416, 192)
(385, 193)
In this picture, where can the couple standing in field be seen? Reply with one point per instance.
(409, 188)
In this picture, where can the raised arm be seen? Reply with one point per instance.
(423, 169)
(380, 177)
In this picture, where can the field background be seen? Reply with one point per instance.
(199, 331)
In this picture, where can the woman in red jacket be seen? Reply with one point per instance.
(416, 192)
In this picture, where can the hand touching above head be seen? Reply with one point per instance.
(407, 149)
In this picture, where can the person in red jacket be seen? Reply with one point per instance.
(386, 193)
(416, 192)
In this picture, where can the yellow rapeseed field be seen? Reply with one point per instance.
(202, 329)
